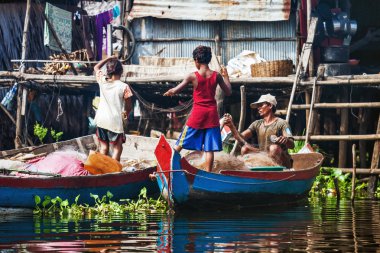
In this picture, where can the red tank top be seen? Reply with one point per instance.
(204, 113)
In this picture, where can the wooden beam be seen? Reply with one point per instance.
(372, 184)
(343, 130)
(364, 171)
(20, 92)
(353, 180)
(338, 105)
(243, 106)
(368, 137)
(368, 81)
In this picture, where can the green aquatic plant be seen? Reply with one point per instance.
(103, 205)
(298, 145)
(143, 203)
(56, 135)
(40, 131)
(330, 180)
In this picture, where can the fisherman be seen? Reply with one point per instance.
(273, 133)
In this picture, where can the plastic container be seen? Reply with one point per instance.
(98, 163)
(269, 168)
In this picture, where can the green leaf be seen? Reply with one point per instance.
(77, 198)
(94, 196)
(64, 203)
(46, 201)
(37, 199)
(109, 195)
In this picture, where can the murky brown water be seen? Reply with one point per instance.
(326, 226)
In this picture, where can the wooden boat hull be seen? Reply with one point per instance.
(183, 184)
(20, 192)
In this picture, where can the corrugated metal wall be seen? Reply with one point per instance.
(272, 40)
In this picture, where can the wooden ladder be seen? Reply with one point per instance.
(303, 62)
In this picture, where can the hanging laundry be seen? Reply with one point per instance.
(61, 20)
(77, 17)
(7, 100)
(101, 21)
(89, 35)
(116, 11)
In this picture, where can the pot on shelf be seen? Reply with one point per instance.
(336, 54)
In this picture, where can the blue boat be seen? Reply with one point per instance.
(183, 185)
(16, 191)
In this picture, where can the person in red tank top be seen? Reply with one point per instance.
(202, 130)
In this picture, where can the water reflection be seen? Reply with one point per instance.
(324, 226)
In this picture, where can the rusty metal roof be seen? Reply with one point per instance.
(213, 10)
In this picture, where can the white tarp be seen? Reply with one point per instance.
(213, 10)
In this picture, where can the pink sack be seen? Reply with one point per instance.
(61, 163)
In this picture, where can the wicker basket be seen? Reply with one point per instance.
(272, 68)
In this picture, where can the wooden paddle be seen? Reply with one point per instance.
(31, 172)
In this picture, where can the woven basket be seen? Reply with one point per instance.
(272, 68)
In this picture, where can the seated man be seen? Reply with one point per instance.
(273, 133)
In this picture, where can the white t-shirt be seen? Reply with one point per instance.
(111, 104)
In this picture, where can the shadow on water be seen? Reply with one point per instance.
(319, 226)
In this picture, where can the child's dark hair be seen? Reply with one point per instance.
(202, 54)
(114, 67)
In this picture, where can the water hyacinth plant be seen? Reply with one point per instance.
(330, 181)
(103, 205)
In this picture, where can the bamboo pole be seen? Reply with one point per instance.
(301, 67)
(373, 81)
(343, 129)
(338, 105)
(296, 81)
(372, 184)
(363, 125)
(235, 39)
(308, 104)
(367, 137)
(55, 61)
(21, 91)
(243, 105)
(353, 173)
(311, 58)
(297, 33)
(310, 115)
(358, 171)
(311, 66)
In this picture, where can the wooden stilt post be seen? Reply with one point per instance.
(20, 96)
(304, 60)
(343, 131)
(372, 184)
(243, 105)
(363, 125)
(219, 96)
(311, 62)
(353, 173)
(307, 102)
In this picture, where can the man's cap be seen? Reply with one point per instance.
(264, 98)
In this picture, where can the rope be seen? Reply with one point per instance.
(225, 181)
(156, 109)
(60, 111)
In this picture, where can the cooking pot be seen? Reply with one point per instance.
(336, 54)
(337, 69)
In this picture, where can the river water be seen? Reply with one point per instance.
(319, 226)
